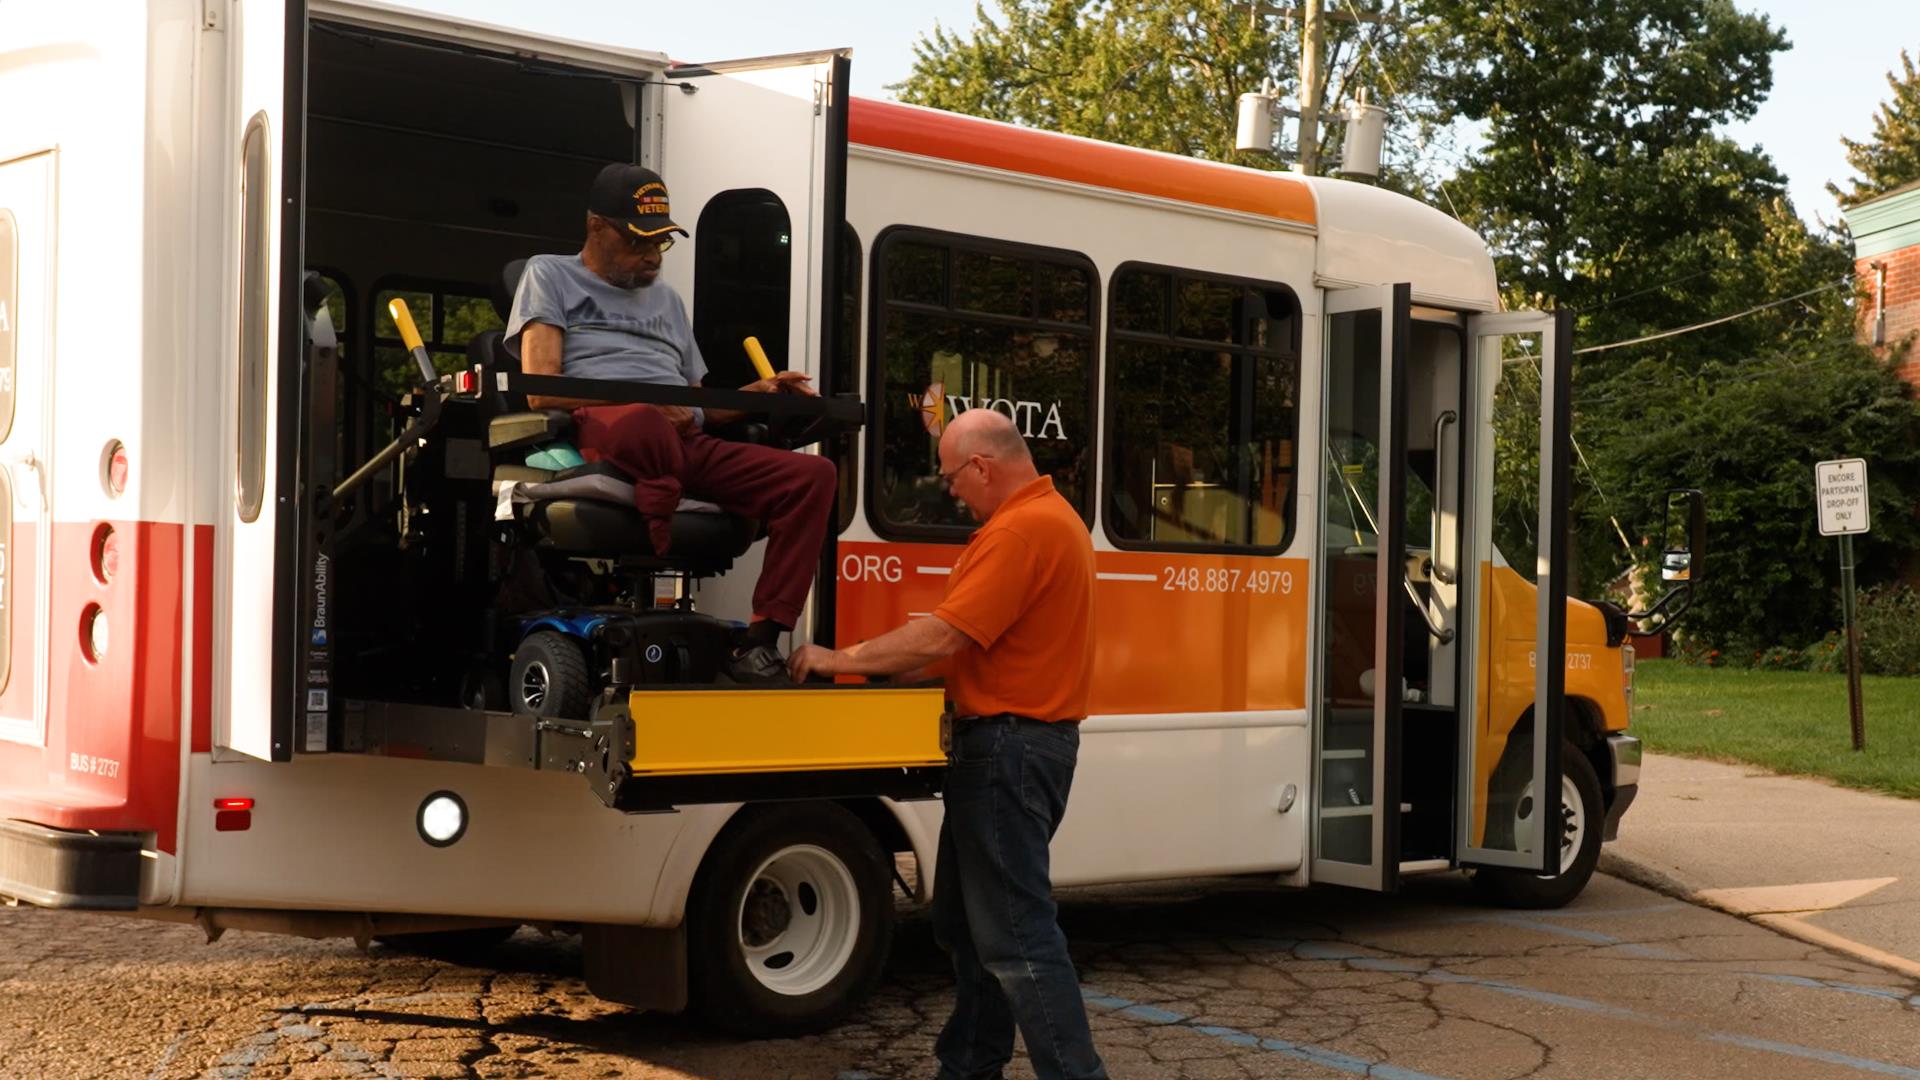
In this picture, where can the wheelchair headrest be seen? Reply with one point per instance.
(506, 286)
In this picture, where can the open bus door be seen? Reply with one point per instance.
(1356, 781)
(760, 140)
(1513, 590)
(255, 653)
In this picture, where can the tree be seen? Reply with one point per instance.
(1601, 175)
(1892, 157)
(1151, 74)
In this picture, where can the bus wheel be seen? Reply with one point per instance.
(1576, 828)
(549, 677)
(789, 922)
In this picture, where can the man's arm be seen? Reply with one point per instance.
(541, 347)
(904, 648)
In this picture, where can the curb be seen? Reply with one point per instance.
(1660, 881)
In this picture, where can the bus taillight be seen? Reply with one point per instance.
(232, 814)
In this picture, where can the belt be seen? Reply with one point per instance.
(1004, 718)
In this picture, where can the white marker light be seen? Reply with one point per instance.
(442, 818)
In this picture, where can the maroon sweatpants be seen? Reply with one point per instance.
(792, 493)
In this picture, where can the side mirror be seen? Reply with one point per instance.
(1684, 537)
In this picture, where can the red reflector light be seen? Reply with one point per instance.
(233, 821)
(233, 804)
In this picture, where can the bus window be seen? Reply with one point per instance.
(845, 372)
(742, 275)
(338, 305)
(965, 323)
(447, 320)
(1202, 372)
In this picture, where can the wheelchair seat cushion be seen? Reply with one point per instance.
(594, 527)
(588, 510)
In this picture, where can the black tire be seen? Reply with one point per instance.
(784, 860)
(549, 677)
(1518, 889)
(459, 946)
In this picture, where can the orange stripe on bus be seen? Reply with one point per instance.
(949, 136)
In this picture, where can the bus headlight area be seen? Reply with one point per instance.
(442, 819)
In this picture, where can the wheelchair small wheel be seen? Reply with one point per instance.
(549, 677)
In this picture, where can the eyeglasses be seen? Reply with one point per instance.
(947, 478)
(645, 243)
(636, 242)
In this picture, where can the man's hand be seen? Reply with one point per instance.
(784, 382)
(680, 418)
(810, 660)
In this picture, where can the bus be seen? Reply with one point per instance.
(308, 625)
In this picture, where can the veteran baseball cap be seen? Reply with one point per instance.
(635, 197)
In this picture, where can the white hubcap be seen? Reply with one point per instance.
(1571, 828)
(799, 920)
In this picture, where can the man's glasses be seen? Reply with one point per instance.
(636, 242)
(643, 244)
(947, 478)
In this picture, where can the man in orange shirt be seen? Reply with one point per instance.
(1014, 639)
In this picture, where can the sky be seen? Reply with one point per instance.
(1827, 85)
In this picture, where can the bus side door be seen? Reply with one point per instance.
(1513, 589)
(1362, 607)
(255, 535)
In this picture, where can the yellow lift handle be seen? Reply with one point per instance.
(759, 357)
(403, 319)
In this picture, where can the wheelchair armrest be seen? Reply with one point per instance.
(525, 428)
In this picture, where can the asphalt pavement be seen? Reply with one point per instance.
(1835, 867)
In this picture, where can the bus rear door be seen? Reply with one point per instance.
(256, 651)
(755, 152)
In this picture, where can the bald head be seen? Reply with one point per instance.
(984, 460)
(987, 433)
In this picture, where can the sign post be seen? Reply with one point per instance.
(1840, 488)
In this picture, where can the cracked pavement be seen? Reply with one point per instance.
(1220, 979)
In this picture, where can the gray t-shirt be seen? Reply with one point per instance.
(640, 335)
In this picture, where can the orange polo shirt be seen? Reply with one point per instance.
(1023, 591)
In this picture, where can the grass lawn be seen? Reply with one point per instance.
(1787, 721)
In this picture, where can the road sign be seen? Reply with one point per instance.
(1841, 490)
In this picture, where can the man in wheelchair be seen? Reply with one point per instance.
(603, 314)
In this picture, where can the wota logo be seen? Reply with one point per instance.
(1035, 420)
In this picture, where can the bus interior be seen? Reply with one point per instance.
(430, 170)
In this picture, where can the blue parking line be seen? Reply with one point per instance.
(1317, 1055)
(1650, 952)
(1807, 1053)
(1888, 993)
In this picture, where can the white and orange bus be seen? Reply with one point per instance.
(308, 625)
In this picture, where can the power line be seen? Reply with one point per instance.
(1842, 283)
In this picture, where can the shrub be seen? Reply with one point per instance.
(1889, 618)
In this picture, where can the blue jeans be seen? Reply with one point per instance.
(1007, 783)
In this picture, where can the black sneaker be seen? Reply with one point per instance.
(757, 664)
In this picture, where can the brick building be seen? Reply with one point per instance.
(1886, 242)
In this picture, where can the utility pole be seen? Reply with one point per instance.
(1312, 46)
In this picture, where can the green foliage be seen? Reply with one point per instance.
(1749, 433)
(1151, 74)
(1601, 176)
(1892, 157)
(1889, 619)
